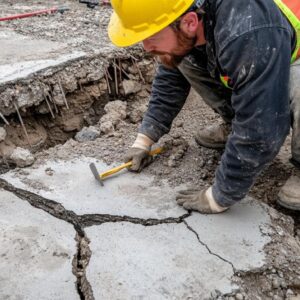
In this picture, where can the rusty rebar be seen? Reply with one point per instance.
(21, 121)
(63, 93)
(4, 119)
(51, 99)
(134, 61)
(107, 81)
(49, 106)
(116, 77)
(122, 70)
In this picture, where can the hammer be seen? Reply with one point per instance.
(99, 177)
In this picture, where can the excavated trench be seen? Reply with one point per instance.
(63, 107)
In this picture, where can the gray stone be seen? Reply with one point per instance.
(22, 157)
(275, 283)
(236, 233)
(115, 113)
(131, 86)
(2, 134)
(158, 262)
(239, 296)
(75, 187)
(36, 253)
(87, 134)
(117, 108)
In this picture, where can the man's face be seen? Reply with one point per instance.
(171, 45)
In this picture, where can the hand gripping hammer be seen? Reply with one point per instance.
(100, 176)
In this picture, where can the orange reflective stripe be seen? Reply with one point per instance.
(294, 6)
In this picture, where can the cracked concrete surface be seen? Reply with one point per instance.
(132, 195)
(36, 253)
(160, 262)
(138, 249)
(235, 235)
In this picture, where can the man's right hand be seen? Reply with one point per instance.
(140, 158)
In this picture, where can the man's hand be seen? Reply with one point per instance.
(140, 159)
(199, 200)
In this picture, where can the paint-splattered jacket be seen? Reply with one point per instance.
(251, 42)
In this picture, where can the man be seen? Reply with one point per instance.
(236, 54)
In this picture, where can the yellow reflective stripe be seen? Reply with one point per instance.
(295, 23)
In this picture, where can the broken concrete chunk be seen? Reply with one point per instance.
(73, 123)
(115, 113)
(22, 157)
(87, 134)
(137, 110)
(131, 86)
(2, 134)
(119, 107)
(107, 127)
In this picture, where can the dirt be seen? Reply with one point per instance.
(115, 108)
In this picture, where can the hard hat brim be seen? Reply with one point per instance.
(124, 37)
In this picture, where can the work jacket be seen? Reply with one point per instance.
(251, 42)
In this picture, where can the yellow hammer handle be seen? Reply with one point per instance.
(127, 165)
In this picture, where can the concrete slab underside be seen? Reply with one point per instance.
(36, 253)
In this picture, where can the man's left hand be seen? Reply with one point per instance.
(199, 200)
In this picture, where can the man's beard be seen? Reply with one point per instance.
(185, 45)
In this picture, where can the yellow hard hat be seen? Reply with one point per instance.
(135, 20)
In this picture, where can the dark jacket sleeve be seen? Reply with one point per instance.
(258, 64)
(169, 92)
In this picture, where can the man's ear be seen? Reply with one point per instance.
(189, 23)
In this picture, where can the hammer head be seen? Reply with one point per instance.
(96, 173)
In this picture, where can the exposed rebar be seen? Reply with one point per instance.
(4, 119)
(116, 77)
(63, 93)
(22, 123)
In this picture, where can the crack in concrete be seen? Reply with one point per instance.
(53, 208)
(80, 263)
(208, 249)
(83, 255)
(58, 211)
(98, 219)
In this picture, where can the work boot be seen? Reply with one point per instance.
(199, 200)
(214, 136)
(289, 195)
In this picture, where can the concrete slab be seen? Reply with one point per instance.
(36, 253)
(237, 234)
(158, 262)
(22, 55)
(72, 184)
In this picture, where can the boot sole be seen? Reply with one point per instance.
(288, 206)
(209, 145)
